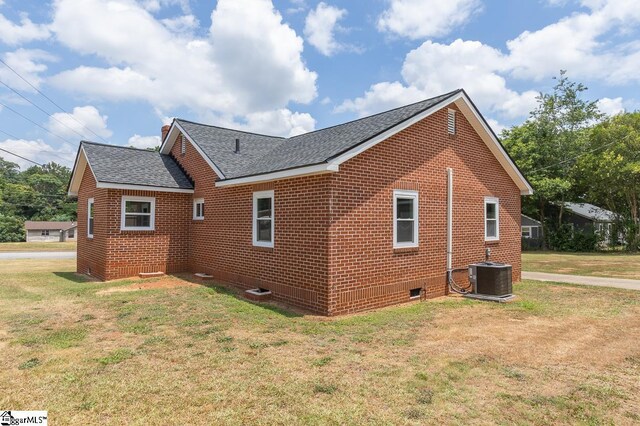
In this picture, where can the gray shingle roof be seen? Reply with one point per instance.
(37, 225)
(118, 164)
(591, 212)
(261, 154)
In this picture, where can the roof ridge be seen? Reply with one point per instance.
(229, 128)
(119, 146)
(443, 96)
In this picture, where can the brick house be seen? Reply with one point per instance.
(361, 215)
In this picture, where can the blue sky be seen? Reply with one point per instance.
(121, 68)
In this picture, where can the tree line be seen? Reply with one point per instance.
(570, 151)
(37, 193)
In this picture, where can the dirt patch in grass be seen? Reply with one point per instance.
(148, 285)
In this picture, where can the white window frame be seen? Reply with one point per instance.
(183, 146)
(496, 201)
(44, 233)
(90, 208)
(529, 229)
(416, 222)
(197, 201)
(152, 219)
(256, 196)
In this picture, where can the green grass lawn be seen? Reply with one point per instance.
(616, 265)
(93, 353)
(38, 246)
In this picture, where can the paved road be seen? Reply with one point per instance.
(577, 279)
(38, 255)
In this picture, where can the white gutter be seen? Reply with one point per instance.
(449, 218)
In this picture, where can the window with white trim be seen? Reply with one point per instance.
(263, 218)
(491, 219)
(138, 213)
(183, 145)
(405, 219)
(198, 209)
(526, 232)
(90, 218)
(44, 233)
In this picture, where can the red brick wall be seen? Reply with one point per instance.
(295, 269)
(365, 271)
(91, 257)
(164, 249)
(113, 253)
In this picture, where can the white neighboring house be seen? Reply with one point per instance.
(51, 231)
(531, 228)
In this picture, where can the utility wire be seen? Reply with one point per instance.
(50, 152)
(20, 156)
(41, 109)
(52, 101)
(34, 123)
(577, 156)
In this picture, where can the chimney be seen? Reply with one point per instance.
(237, 146)
(165, 131)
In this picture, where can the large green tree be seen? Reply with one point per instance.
(610, 171)
(38, 193)
(546, 146)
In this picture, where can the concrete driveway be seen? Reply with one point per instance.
(38, 255)
(584, 280)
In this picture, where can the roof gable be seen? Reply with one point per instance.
(128, 168)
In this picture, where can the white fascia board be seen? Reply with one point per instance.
(108, 185)
(285, 174)
(392, 131)
(79, 168)
(487, 135)
(172, 135)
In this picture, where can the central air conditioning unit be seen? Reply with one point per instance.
(490, 281)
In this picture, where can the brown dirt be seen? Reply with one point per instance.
(149, 285)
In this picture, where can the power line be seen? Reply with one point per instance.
(20, 156)
(34, 123)
(576, 157)
(41, 109)
(52, 101)
(50, 152)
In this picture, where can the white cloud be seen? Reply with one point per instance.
(282, 122)
(250, 62)
(610, 106)
(38, 151)
(29, 63)
(418, 19)
(435, 68)
(157, 5)
(14, 34)
(77, 122)
(496, 126)
(573, 43)
(184, 24)
(320, 26)
(144, 142)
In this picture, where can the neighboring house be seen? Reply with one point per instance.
(357, 216)
(531, 228)
(585, 216)
(50, 231)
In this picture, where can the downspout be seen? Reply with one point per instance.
(449, 220)
(450, 270)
